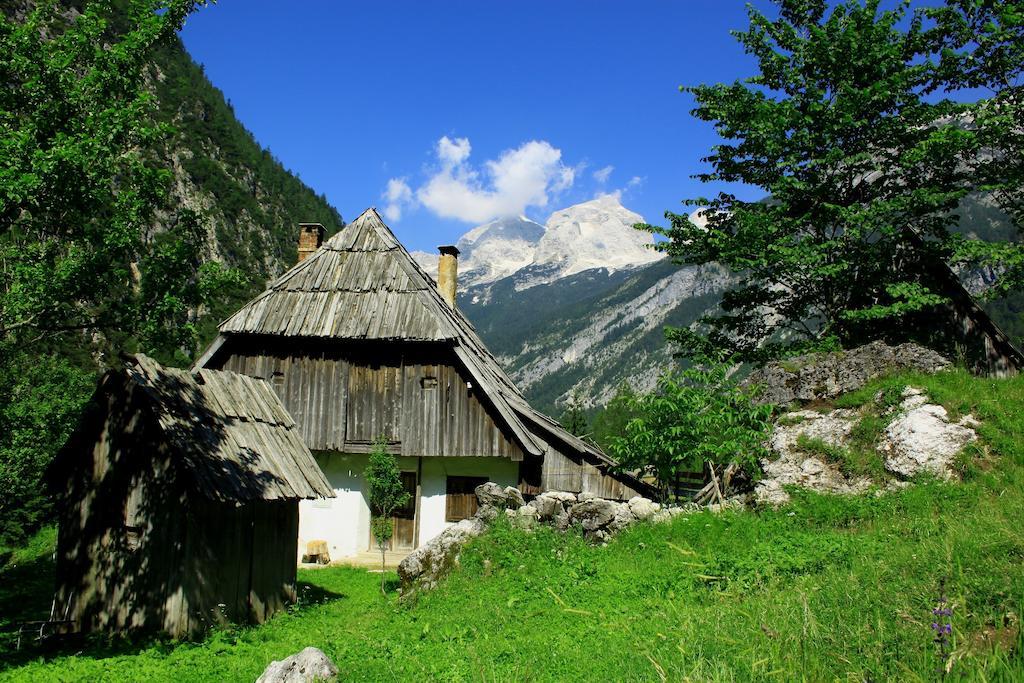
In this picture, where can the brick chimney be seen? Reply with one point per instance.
(311, 236)
(448, 273)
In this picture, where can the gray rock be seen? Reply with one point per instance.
(304, 667)
(790, 466)
(563, 497)
(428, 564)
(622, 519)
(491, 494)
(593, 514)
(562, 521)
(525, 517)
(822, 376)
(642, 508)
(586, 495)
(487, 513)
(547, 507)
(513, 497)
(922, 439)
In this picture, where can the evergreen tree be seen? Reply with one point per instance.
(574, 417)
(610, 422)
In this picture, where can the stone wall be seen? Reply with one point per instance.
(597, 518)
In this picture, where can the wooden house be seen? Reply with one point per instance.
(360, 344)
(178, 502)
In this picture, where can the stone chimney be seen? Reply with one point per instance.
(311, 236)
(448, 273)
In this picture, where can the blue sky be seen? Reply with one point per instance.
(446, 113)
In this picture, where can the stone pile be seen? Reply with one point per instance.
(598, 518)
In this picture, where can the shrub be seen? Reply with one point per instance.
(696, 416)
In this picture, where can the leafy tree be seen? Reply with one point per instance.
(384, 485)
(40, 400)
(835, 129)
(696, 417)
(611, 421)
(574, 417)
(981, 46)
(93, 261)
(82, 185)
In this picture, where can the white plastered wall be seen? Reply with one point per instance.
(344, 521)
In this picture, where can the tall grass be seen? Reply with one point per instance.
(827, 588)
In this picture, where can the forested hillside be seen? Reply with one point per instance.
(141, 243)
(250, 203)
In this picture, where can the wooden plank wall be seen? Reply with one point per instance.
(109, 577)
(344, 398)
(274, 548)
(564, 474)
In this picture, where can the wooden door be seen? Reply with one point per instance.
(404, 521)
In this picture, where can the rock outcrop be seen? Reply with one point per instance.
(304, 667)
(828, 375)
(920, 438)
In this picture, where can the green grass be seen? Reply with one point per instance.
(827, 588)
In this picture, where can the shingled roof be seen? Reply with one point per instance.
(363, 284)
(230, 432)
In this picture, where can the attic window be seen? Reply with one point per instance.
(277, 380)
(429, 383)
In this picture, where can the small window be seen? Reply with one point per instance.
(460, 498)
(277, 381)
(429, 383)
(133, 518)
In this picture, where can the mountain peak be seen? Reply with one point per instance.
(597, 233)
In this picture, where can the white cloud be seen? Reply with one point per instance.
(397, 195)
(635, 181)
(453, 152)
(528, 175)
(601, 175)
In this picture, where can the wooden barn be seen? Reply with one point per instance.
(360, 344)
(963, 328)
(178, 502)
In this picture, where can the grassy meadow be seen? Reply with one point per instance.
(827, 588)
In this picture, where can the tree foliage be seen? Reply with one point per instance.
(83, 187)
(386, 495)
(610, 421)
(695, 417)
(93, 260)
(836, 130)
(574, 417)
(980, 44)
(40, 400)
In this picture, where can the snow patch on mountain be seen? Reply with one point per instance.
(595, 234)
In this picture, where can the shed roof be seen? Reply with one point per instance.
(231, 433)
(363, 284)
